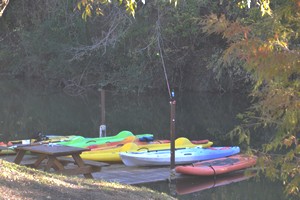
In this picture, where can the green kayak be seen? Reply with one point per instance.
(83, 142)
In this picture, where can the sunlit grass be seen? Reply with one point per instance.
(16, 180)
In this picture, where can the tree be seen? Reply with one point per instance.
(266, 43)
(89, 6)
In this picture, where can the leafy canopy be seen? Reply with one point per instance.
(88, 6)
(266, 41)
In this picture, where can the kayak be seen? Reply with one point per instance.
(42, 139)
(6, 150)
(8, 147)
(112, 154)
(114, 144)
(194, 184)
(108, 154)
(142, 144)
(181, 142)
(218, 166)
(128, 139)
(182, 156)
(83, 142)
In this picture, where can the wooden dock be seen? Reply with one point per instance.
(133, 175)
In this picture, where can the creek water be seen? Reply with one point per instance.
(221, 188)
(29, 108)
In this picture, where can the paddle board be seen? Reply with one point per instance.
(218, 166)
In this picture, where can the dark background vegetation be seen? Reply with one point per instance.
(48, 40)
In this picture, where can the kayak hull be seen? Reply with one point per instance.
(182, 156)
(83, 142)
(129, 139)
(218, 166)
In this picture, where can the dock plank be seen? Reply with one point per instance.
(87, 162)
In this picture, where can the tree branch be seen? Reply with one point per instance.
(116, 21)
(3, 5)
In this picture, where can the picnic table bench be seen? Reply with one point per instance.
(56, 157)
(3, 148)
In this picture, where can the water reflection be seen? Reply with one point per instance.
(231, 186)
(191, 184)
(30, 107)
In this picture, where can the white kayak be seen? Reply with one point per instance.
(182, 156)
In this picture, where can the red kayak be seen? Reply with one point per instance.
(218, 166)
(6, 144)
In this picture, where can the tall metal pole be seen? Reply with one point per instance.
(102, 129)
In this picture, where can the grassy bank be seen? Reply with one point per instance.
(17, 182)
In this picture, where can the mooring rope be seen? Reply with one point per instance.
(214, 171)
(161, 56)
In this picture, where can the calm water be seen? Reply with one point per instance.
(226, 187)
(29, 108)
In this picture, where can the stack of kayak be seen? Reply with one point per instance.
(112, 153)
(199, 161)
(78, 141)
(108, 149)
(192, 157)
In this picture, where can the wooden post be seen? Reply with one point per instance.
(102, 129)
(172, 132)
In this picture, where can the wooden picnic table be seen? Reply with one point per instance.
(52, 155)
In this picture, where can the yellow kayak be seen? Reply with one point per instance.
(112, 154)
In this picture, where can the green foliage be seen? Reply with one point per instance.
(130, 5)
(41, 41)
(243, 135)
(104, 51)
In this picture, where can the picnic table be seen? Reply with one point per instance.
(56, 156)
